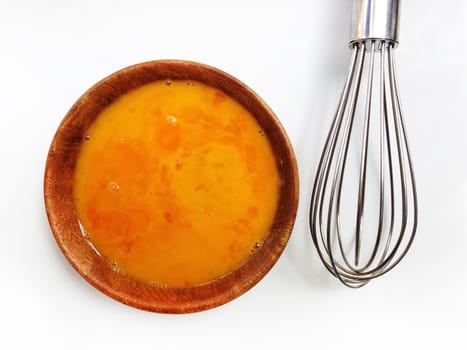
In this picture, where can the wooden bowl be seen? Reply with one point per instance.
(58, 188)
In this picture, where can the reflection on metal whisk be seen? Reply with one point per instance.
(363, 214)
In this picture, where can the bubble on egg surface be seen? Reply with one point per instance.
(171, 119)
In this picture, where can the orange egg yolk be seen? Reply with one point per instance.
(176, 184)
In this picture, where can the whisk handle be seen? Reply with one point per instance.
(375, 19)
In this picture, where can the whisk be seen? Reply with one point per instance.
(363, 213)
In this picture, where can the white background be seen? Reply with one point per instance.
(294, 54)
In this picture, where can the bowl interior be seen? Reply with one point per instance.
(58, 192)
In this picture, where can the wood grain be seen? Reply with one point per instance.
(58, 192)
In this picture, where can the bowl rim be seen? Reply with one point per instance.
(63, 220)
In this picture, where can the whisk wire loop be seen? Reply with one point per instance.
(395, 224)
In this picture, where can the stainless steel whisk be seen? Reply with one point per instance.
(363, 214)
